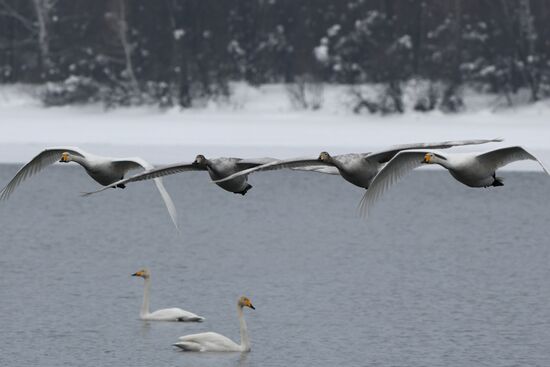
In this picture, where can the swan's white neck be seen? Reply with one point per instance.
(441, 162)
(80, 160)
(336, 163)
(245, 341)
(145, 305)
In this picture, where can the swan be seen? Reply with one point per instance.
(356, 168)
(217, 169)
(214, 342)
(473, 170)
(166, 314)
(103, 170)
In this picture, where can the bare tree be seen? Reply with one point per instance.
(528, 36)
(120, 23)
(43, 9)
(38, 28)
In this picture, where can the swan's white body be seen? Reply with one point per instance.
(166, 314)
(217, 169)
(473, 170)
(214, 342)
(103, 170)
(356, 168)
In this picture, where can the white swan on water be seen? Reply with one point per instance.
(473, 170)
(167, 314)
(103, 170)
(214, 342)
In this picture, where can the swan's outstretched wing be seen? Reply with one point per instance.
(149, 174)
(501, 157)
(128, 164)
(134, 163)
(385, 155)
(399, 166)
(288, 163)
(329, 170)
(45, 158)
(247, 163)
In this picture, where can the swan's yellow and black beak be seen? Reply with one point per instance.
(251, 306)
(138, 274)
(64, 158)
(427, 158)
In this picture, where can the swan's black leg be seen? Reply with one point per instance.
(122, 186)
(497, 181)
(248, 187)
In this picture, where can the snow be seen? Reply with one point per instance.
(256, 122)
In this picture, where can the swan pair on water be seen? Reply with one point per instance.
(203, 342)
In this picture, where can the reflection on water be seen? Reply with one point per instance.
(441, 275)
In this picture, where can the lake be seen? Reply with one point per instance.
(440, 274)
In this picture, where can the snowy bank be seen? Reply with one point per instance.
(257, 122)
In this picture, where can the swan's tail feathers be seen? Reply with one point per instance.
(191, 319)
(188, 346)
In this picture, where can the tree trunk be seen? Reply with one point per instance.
(42, 9)
(529, 36)
(122, 30)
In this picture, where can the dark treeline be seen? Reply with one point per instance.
(173, 51)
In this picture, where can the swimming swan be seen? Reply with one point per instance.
(356, 168)
(103, 170)
(167, 314)
(214, 342)
(473, 170)
(217, 168)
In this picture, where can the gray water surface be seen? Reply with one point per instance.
(440, 275)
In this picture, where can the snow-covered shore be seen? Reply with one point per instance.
(264, 124)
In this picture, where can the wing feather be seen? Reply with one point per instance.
(275, 165)
(254, 162)
(153, 173)
(385, 155)
(329, 170)
(501, 157)
(45, 158)
(395, 170)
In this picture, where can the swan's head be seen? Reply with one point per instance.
(200, 160)
(245, 302)
(65, 157)
(430, 158)
(324, 157)
(144, 273)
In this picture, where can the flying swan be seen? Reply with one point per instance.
(166, 314)
(473, 170)
(356, 168)
(214, 342)
(217, 169)
(103, 170)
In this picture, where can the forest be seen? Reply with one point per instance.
(173, 52)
